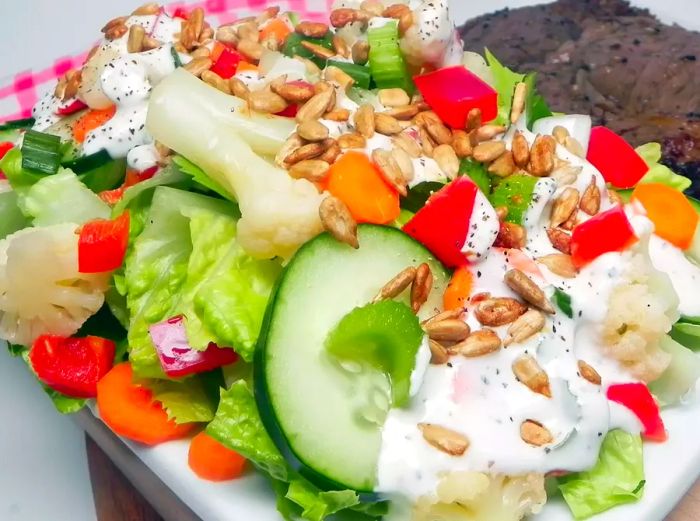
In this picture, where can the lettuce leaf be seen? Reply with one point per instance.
(185, 401)
(658, 173)
(317, 505)
(238, 426)
(63, 198)
(616, 479)
(681, 375)
(187, 262)
(21, 180)
(199, 177)
(11, 217)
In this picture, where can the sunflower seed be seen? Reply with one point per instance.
(443, 439)
(198, 65)
(461, 143)
(528, 371)
(408, 144)
(397, 285)
(404, 162)
(564, 206)
(519, 99)
(360, 52)
(390, 170)
(312, 130)
(421, 287)
(542, 156)
(520, 149)
(560, 134)
(559, 264)
(446, 158)
(450, 330)
(489, 151)
(478, 343)
(511, 235)
(338, 221)
(352, 141)
(386, 124)
(394, 97)
(266, 102)
(365, 120)
(443, 315)
(590, 201)
(316, 107)
(498, 311)
(312, 29)
(134, 42)
(438, 353)
(589, 373)
(503, 166)
(528, 290)
(527, 325)
(318, 50)
(534, 433)
(216, 81)
(473, 119)
(304, 152)
(312, 170)
(560, 240)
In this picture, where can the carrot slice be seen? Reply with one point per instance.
(356, 181)
(673, 216)
(212, 461)
(130, 410)
(459, 289)
(276, 29)
(90, 121)
(244, 66)
(216, 51)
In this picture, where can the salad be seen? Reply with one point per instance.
(375, 267)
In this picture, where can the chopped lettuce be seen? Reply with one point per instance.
(63, 198)
(21, 180)
(185, 401)
(237, 425)
(199, 177)
(317, 505)
(476, 172)
(11, 217)
(419, 194)
(658, 173)
(616, 479)
(505, 81)
(681, 375)
(188, 262)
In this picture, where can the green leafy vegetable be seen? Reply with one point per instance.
(105, 177)
(185, 401)
(515, 193)
(536, 106)
(17, 124)
(317, 505)
(62, 198)
(20, 179)
(476, 172)
(359, 73)
(419, 194)
(238, 426)
(103, 324)
(293, 47)
(199, 177)
(563, 301)
(187, 262)
(680, 376)
(658, 173)
(403, 218)
(11, 217)
(616, 479)
(385, 335)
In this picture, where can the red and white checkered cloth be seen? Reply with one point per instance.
(18, 97)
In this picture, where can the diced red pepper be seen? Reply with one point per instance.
(289, 112)
(5, 147)
(453, 91)
(72, 366)
(181, 12)
(71, 108)
(619, 163)
(226, 64)
(177, 358)
(442, 224)
(637, 398)
(112, 197)
(608, 231)
(102, 244)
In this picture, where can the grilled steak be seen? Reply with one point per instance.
(608, 59)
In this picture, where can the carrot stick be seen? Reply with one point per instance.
(356, 181)
(673, 216)
(130, 410)
(90, 121)
(459, 289)
(276, 29)
(212, 461)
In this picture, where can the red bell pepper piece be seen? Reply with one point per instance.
(608, 231)
(72, 366)
(112, 197)
(637, 398)
(453, 91)
(226, 64)
(177, 358)
(181, 12)
(5, 147)
(71, 108)
(102, 244)
(442, 224)
(289, 112)
(619, 163)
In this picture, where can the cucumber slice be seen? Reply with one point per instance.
(316, 410)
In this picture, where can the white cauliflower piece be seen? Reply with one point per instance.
(432, 39)
(640, 312)
(279, 213)
(473, 496)
(41, 290)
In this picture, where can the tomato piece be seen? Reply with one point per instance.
(226, 64)
(102, 244)
(289, 112)
(71, 108)
(606, 232)
(72, 366)
(619, 163)
(453, 91)
(442, 225)
(637, 398)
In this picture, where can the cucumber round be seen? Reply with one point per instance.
(311, 405)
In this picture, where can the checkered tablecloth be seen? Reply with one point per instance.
(20, 92)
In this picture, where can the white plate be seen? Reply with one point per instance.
(671, 468)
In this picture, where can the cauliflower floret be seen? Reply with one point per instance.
(41, 290)
(640, 312)
(473, 496)
(432, 39)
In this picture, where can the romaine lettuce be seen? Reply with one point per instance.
(11, 217)
(185, 401)
(658, 173)
(616, 479)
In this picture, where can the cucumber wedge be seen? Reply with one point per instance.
(317, 410)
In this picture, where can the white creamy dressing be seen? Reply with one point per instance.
(45, 111)
(481, 398)
(578, 125)
(432, 38)
(483, 229)
(684, 274)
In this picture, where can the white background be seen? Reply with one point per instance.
(43, 470)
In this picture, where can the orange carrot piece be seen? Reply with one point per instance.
(90, 121)
(213, 461)
(356, 181)
(244, 66)
(673, 216)
(130, 410)
(276, 29)
(216, 51)
(459, 289)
